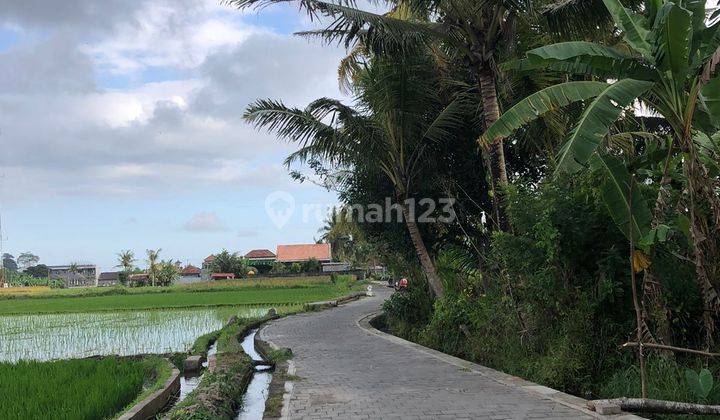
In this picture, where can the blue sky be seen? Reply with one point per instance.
(120, 127)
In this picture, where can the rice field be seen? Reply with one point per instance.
(171, 298)
(69, 389)
(77, 335)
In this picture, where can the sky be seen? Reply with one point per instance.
(121, 128)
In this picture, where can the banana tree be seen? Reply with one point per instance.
(667, 65)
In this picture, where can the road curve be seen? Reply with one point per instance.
(348, 372)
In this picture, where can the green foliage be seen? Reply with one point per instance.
(278, 268)
(561, 304)
(226, 262)
(701, 383)
(296, 268)
(69, 389)
(408, 311)
(38, 271)
(311, 266)
(668, 379)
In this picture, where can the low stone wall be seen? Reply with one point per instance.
(155, 402)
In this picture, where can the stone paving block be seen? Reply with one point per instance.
(350, 373)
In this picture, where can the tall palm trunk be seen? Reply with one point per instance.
(494, 151)
(422, 252)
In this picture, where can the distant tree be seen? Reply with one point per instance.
(312, 265)
(27, 259)
(278, 268)
(8, 262)
(226, 262)
(39, 271)
(152, 261)
(126, 260)
(166, 272)
(296, 268)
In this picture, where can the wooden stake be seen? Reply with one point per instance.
(638, 310)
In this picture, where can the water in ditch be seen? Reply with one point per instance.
(257, 392)
(189, 383)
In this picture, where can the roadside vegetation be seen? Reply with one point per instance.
(77, 388)
(578, 142)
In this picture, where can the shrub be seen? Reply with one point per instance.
(278, 268)
(551, 301)
(312, 266)
(407, 312)
(296, 268)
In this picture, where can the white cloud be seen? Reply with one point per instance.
(163, 34)
(61, 135)
(205, 222)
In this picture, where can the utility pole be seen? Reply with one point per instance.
(2, 253)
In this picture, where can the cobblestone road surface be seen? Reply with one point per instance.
(347, 372)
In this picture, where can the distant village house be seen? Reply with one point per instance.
(108, 278)
(288, 254)
(83, 274)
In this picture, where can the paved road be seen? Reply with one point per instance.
(348, 372)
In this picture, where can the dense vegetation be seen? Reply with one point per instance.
(70, 389)
(578, 143)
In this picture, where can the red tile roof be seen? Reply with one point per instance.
(190, 270)
(260, 253)
(210, 258)
(222, 276)
(293, 253)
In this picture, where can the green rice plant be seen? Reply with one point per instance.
(173, 298)
(76, 335)
(69, 389)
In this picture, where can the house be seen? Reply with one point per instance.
(189, 274)
(109, 278)
(142, 279)
(74, 275)
(289, 254)
(190, 271)
(222, 276)
(259, 256)
(207, 262)
(262, 259)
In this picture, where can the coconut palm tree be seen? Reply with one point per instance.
(340, 231)
(73, 270)
(399, 115)
(152, 260)
(126, 261)
(668, 66)
(478, 33)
